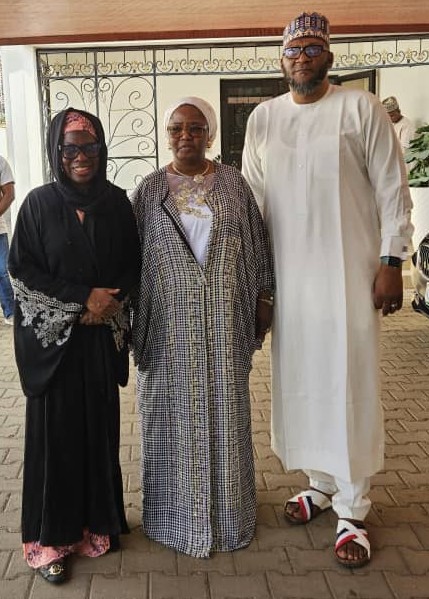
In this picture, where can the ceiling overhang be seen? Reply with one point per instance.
(30, 22)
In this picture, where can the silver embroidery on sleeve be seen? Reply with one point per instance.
(51, 319)
(120, 325)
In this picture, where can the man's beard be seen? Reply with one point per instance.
(308, 87)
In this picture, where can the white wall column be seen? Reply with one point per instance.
(23, 127)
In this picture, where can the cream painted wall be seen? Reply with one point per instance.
(409, 84)
(169, 89)
(3, 143)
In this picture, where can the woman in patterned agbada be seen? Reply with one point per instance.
(204, 306)
(74, 260)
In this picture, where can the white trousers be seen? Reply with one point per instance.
(349, 499)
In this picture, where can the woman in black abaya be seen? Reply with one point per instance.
(74, 260)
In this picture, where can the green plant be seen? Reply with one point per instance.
(417, 156)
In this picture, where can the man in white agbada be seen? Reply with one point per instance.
(327, 171)
(404, 128)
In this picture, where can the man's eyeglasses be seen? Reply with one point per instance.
(194, 130)
(71, 151)
(311, 51)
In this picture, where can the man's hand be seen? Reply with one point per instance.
(388, 289)
(264, 316)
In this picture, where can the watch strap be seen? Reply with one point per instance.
(391, 261)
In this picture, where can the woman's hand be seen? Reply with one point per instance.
(88, 318)
(101, 302)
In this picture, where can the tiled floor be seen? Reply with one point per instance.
(283, 561)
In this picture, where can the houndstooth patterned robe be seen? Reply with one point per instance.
(194, 336)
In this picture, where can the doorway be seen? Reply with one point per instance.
(238, 97)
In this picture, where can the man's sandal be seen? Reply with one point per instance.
(348, 532)
(311, 503)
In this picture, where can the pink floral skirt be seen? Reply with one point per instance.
(91, 545)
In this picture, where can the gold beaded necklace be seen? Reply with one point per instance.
(198, 178)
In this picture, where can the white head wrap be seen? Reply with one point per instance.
(204, 107)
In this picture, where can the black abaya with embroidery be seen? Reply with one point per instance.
(70, 372)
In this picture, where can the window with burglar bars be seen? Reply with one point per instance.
(124, 87)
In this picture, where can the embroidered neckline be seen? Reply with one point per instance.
(190, 199)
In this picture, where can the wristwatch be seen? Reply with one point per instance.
(391, 261)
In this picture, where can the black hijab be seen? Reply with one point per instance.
(95, 198)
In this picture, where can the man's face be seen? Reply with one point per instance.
(304, 74)
(395, 115)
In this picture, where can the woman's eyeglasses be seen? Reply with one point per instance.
(194, 130)
(311, 51)
(71, 151)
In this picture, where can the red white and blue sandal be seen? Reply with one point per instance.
(307, 500)
(348, 532)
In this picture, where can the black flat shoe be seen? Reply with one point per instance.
(54, 572)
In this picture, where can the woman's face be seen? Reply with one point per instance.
(188, 134)
(81, 169)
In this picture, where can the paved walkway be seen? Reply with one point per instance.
(283, 561)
